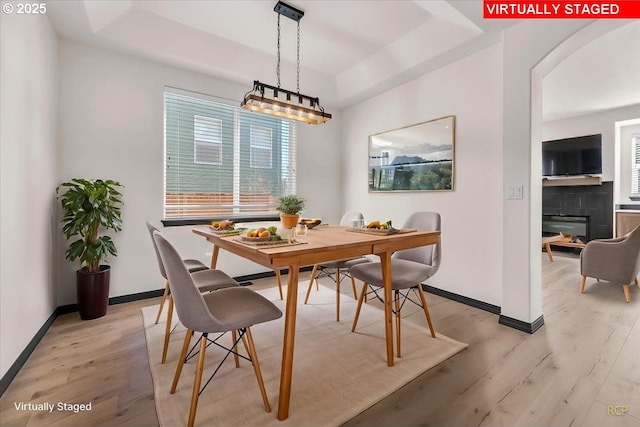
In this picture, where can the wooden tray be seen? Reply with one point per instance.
(233, 232)
(247, 239)
(252, 242)
(384, 232)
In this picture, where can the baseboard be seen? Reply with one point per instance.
(8, 377)
(462, 299)
(265, 274)
(529, 328)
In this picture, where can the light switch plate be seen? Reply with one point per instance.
(514, 192)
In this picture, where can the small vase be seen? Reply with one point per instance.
(289, 221)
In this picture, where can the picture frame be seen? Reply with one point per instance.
(418, 157)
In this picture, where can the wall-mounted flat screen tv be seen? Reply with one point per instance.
(581, 155)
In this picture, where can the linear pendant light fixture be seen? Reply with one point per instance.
(280, 102)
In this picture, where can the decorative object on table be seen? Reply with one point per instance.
(614, 260)
(90, 207)
(290, 207)
(380, 228)
(413, 158)
(280, 102)
(310, 222)
(300, 233)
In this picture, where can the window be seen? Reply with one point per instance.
(222, 161)
(261, 147)
(635, 166)
(207, 140)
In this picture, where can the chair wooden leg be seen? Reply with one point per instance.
(314, 272)
(167, 330)
(183, 354)
(197, 381)
(353, 287)
(397, 309)
(627, 295)
(234, 337)
(337, 294)
(164, 298)
(423, 300)
(635, 279)
(279, 283)
(256, 367)
(360, 300)
(582, 283)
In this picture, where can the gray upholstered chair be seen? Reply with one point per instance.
(615, 260)
(337, 270)
(409, 268)
(192, 265)
(206, 280)
(230, 309)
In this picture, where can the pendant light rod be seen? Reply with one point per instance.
(290, 12)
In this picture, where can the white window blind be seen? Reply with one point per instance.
(207, 140)
(261, 147)
(635, 166)
(222, 161)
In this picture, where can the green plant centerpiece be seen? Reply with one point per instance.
(290, 207)
(90, 207)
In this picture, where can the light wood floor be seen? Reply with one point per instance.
(585, 358)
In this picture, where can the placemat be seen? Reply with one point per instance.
(381, 232)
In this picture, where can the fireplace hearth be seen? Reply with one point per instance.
(583, 210)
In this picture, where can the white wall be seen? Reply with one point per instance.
(470, 89)
(526, 48)
(589, 124)
(28, 180)
(111, 126)
(623, 186)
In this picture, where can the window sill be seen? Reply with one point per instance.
(176, 222)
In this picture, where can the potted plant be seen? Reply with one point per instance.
(290, 208)
(89, 207)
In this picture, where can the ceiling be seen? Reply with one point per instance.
(350, 50)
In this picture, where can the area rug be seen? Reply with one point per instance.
(337, 374)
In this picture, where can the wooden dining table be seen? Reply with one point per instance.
(323, 243)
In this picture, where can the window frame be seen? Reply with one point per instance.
(284, 165)
(635, 167)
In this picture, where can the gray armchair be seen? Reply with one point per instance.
(615, 260)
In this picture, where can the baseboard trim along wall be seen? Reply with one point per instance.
(462, 299)
(7, 378)
(22, 359)
(529, 328)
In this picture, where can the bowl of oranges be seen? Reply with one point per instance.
(261, 234)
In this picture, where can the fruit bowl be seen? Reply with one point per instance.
(257, 239)
(310, 222)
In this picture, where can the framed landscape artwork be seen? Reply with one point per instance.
(419, 157)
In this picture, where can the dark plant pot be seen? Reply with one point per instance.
(93, 292)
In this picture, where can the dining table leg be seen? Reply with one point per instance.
(214, 257)
(385, 263)
(288, 343)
